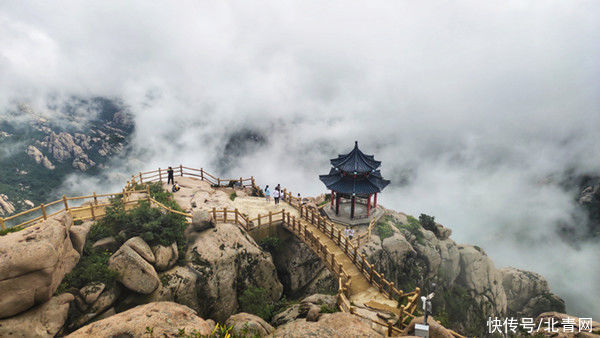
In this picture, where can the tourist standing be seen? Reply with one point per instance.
(276, 196)
(170, 179)
(267, 194)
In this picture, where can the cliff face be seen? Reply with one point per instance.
(469, 288)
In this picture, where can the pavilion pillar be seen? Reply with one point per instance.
(375, 202)
(337, 204)
(352, 208)
(332, 196)
(369, 206)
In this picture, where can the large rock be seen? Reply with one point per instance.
(301, 309)
(134, 271)
(202, 220)
(330, 325)
(226, 262)
(42, 321)
(106, 244)
(166, 256)
(91, 292)
(79, 234)
(33, 262)
(162, 318)
(248, 325)
(142, 248)
(527, 293)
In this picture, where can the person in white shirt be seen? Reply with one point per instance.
(276, 196)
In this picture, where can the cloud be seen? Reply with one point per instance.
(470, 105)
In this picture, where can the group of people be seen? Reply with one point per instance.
(349, 232)
(277, 194)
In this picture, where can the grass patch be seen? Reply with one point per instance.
(256, 301)
(325, 308)
(383, 228)
(9, 230)
(414, 227)
(269, 244)
(232, 196)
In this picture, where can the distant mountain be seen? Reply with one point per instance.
(39, 148)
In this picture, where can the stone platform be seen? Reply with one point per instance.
(360, 211)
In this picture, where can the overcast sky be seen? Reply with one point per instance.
(474, 107)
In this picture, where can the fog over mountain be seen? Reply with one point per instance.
(476, 109)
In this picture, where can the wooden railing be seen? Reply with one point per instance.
(161, 175)
(93, 203)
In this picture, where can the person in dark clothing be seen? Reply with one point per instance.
(170, 178)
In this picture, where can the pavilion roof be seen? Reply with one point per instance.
(344, 183)
(355, 161)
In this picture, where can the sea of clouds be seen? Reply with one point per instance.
(477, 109)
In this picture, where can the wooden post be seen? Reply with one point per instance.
(218, 182)
(65, 203)
(333, 261)
(225, 215)
(141, 179)
(215, 214)
(312, 217)
(181, 169)
(339, 237)
(159, 175)
(2, 223)
(241, 183)
(236, 215)
(401, 319)
(270, 218)
(346, 245)
(95, 198)
(92, 211)
(43, 207)
(354, 260)
(148, 193)
(381, 281)
(362, 264)
(371, 273)
(202, 174)
(258, 219)
(389, 328)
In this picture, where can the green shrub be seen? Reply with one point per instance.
(9, 230)
(257, 301)
(78, 222)
(92, 267)
(414, 227)
(269, 244)
(383, 229)
(232, 196)
(428, 223)
(154, 225)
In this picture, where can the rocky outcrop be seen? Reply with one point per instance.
(202, 220)
(44, 320)
(301, 309)
(63, 146)
(159, 318)
(33, 262)
(248, 325)
(79, 234)
(329, 325)
(106, 244)
(226, 262)
(6, 208)
(166, 256)
(135, 272)
(39, 158)
(469, 287)
(528, 293)
(300, 270)
(142, 248)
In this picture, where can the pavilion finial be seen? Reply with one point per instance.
(356, 144)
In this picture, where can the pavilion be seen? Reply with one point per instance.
(355, 180)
